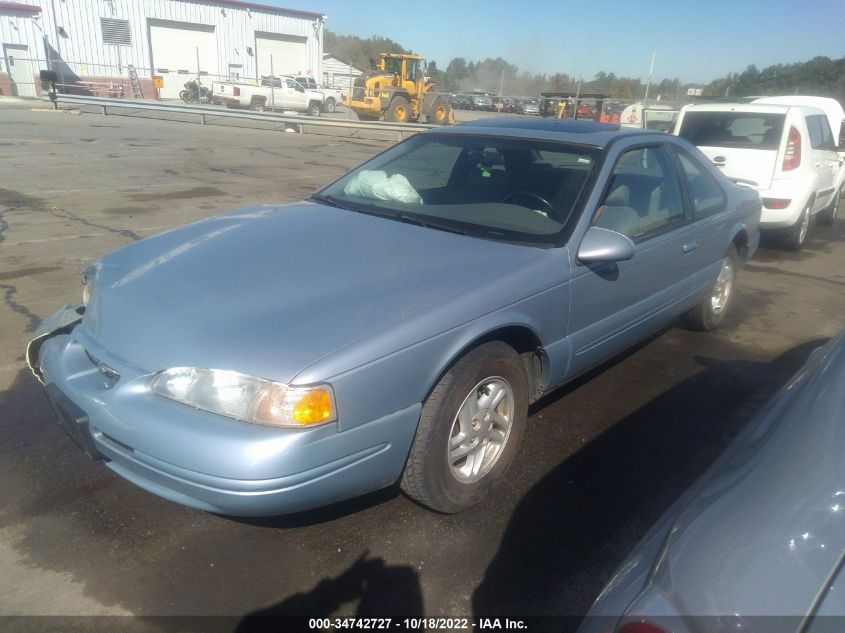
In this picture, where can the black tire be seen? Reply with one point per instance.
(439, 112)
(259, 104)
(429, 477)
(399, 110)
(185, 96)
(705, 316)
(314, 108)
(828, 215)
(795, 236)
(329, 105)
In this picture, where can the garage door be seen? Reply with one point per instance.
(174, 47)
(287, 51)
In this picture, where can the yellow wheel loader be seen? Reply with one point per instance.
(397, 91)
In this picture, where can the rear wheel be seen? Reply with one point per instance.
(329, 105)
(796, 235)
(314, 108)
(711, 312)
(439, 113)
(399, 110)
(828, 215)
(469, 430)
(259, 104)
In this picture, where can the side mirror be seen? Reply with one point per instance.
(602, 245)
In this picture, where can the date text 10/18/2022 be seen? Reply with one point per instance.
(422, 624)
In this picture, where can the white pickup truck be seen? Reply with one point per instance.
(279, 93)
(331, 96)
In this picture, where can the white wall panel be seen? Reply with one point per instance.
(74, 33)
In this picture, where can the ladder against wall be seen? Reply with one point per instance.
(136, 85)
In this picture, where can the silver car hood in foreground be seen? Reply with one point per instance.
(270, 290)
(762, 533)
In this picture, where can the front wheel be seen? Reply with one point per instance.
(399, 110)
(439, 113)
(185, 96)
(711, 312)
(314, 108)
(469, 431)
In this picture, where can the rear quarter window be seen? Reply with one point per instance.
(750, 130)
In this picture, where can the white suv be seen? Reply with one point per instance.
(787, 152)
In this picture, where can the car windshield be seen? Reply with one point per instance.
(749, 130)
(501, 188)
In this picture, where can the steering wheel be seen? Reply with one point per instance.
(549, 209)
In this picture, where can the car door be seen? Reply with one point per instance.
(713, 220)
(617, 304)
(825, 159)
(295, 96)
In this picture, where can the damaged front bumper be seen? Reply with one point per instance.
(200, 459)
(62, 322)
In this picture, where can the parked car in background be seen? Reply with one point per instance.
(503, 104)
(397, 324)
(331, 96)
(527, 106)
(831, 107)
(788, 153)
(279, 93)
(762, 533)
(461, 102)
(481, 102)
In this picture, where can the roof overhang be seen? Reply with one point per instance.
(255, 6)
(23, 8)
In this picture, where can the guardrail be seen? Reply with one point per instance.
(204, 113)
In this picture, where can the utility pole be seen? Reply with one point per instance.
(501, 83)
(648, 83)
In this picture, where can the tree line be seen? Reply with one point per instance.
(819, 76)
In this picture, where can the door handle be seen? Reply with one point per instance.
(690, 246)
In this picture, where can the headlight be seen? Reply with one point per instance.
(89, 277)
(247, 398)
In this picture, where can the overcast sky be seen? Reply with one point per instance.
(695, 41)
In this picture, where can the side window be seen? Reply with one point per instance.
(816, 131)
(707, 195)
(644, 195)
(827, 134)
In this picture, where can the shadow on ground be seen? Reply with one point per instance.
(566, 526)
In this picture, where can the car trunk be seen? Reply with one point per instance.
(741, 144)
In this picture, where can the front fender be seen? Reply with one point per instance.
(405, 377)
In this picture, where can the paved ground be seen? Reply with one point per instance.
(602, 459)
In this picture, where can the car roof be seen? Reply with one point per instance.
(823, 103)
(581, 132)
(763, 108)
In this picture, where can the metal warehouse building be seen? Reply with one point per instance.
(97, 45)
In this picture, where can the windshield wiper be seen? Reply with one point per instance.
(413, 219)
(402, 217)
(331, 201)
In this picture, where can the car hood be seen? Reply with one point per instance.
(270, 290)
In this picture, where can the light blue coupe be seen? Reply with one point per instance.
(396, 325)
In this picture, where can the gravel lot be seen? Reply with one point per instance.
(602, 458)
